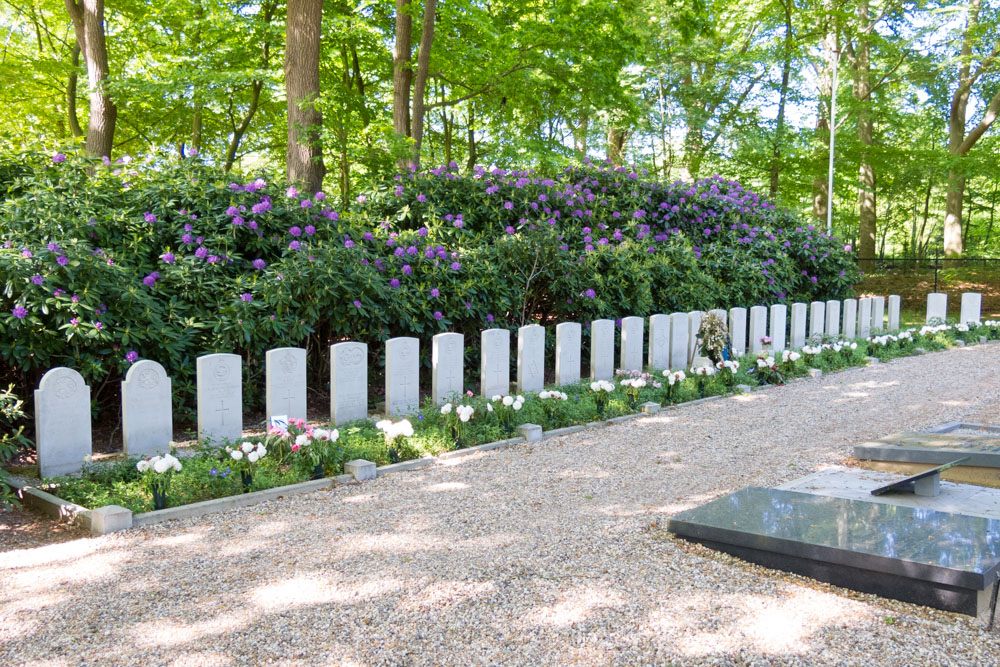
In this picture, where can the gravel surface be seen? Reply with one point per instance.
(546, 553)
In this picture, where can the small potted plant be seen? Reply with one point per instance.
(702, 375)
(456, 418)
(674, 379)
(245, 458)
(393, 432)
(157, 472)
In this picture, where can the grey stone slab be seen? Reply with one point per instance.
(779, 326)
(966, 428)
(798, 327)
(878, 314)
(530, 432)
(925, 483)
(678, 341)
(494, 368)
(531, 356)
(937, 307)
(817, 318)
(602, 349)
(220, 398)
(110, 519)
(758, 328)
(832, 317)
(738, 331)
(447, 366)
(864, 317)
(850, 318)
(147, 410)
(843, 482)
(569, 338)
(972, 306)
(62, 422)
(631, 347)
(360, 469)
(940, 559)
(348, 382)
(285, 382)
(650, 408)
(694, 324)
(935, 448)
(894, 304)
(659, 342)
(402, 375)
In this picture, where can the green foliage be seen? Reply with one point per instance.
(11, 438)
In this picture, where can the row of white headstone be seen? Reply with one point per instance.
(62, 400)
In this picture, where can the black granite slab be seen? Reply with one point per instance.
(948, 561)
(936, 448)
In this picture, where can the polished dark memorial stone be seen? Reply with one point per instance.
(926, 483)
(942, 560)
(982, 450)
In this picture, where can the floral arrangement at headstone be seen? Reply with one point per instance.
(158, 471)
(714, 337)
(633, 386)
(702, 375)
(313, 447)
(674, 380)
(395, 434)
(244, 460)
(456, 417)
(788, 359)
(551, 402)
(506, 409)
(766, 370)
(727, 370)
(601, 390)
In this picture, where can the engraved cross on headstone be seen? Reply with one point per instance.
(222, 412)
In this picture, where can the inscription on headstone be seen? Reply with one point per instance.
(285, 382)
(531, 358)
(62, 422)
(568, 340)
(779, 322)
(494, 370)
(602, 349)
(220, 398)
(348, 382)
(632, 333)
(147, 413)
(659, 342)
(402, 375)
(447, 366)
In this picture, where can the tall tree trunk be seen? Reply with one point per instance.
(968, 216)
(617, 136)
(867, 217)
(196, 123)
(402, 74)
(927, 208)
(302, 41)
(779, 130)
(256, 88)
(823, 123)
(74, 122)
(471, 161)
(88, 26)
(420, 83)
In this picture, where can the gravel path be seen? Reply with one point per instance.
(540, 554)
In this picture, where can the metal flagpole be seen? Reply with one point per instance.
(833, 132)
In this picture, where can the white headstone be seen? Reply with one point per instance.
(833, 318)
(798, 325)
(494, 369)
(447, 366)
(864, 317)
(285, 382)
(878, 314)
(220, 398)
(602, 349)
(850, 318)
(147, 413)
(779, 322)
(817, 318)
(62, 422)
(659, 342)
(568, 340)
(402, 375)
(937, 307)
(678, 341)
(972, 306)
(758, 328)
(694, 324)
(348, 382)
(631, 354)
(894, 303)
(738, 331)
(531, 358)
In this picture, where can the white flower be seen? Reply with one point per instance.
(177, 465)
(520, 398)
(236, 454)
(383, 425)
(252, 457)
(854, 346)
(321, 434)
(405, 428)
(261, 451)
(595, 386)
(637, 383)
(508, 401)
(770, 361)
(496, 398)
(489, 407)
(302, 440)
(544, 394)
(161, 465)
(445, 409)
(247, 447)
(762, 362)
(624, 383)
(517, 404)
(334, 435)
(142, 466)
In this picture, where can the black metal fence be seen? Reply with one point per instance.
(928, 265)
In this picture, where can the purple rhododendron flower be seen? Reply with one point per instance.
(421, 198)
(348, 243)
(246, 296)
(62, 260)
(319, 196)
(357, 304)
(455, 266)
(132, 356)
(168, 257)
(20, 312)
(149, 217)
(309, 230)
(305, 203)
(509, 229)
(407, 269)
(291, 193)
(98, 326)
(590, 294)
(394, 282)
(435, 292)
(26, 253)
(259, 264)
(438, 315)
(201, 252)
(295, 230)
(37, 279)
(490, 318)
(294, 245)
(58, 157)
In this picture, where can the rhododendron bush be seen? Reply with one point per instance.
(169, 261)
